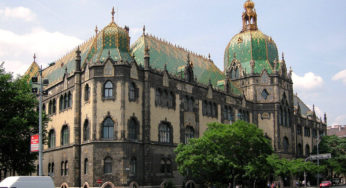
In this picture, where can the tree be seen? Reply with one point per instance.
(337, 147)
(18, 121)
(225, 153)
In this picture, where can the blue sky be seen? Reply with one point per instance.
(311, 33)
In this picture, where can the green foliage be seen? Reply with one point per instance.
(282, 167)
(18, 121)
(225, 152)
(337, 147)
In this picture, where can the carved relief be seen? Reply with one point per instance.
(210, 93)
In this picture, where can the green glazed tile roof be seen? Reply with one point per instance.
(175, 58)
(111, 40)
(234, 89)
(252, 45)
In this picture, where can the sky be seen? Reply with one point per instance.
(311, 33)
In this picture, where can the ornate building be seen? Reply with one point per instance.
(118, 112)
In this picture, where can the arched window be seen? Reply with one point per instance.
(54, 106)
(50, 107)
(280, 116)
(108, 165)
(85, 165)
(307, 150)
(69, 99)
(108, 128)
(108, 89)
(168, 166)
(86, 130)
(65, 101)
(132, 92)
(64, 135)
(66, 168)
(158, 97)
(236, 72)
(165, 133)
(62, 168)
(133, 129)
(52, 170)
(86, 92)
(191, 102)
(232, 73)
(162, 166)
(61, 103)
(189, 133)
(170, 100)
(48, 168)
(285, 144)
(108, 186)
(133, 166)
(299, 150)
(51, 139)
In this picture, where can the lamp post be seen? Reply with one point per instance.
(40, 93)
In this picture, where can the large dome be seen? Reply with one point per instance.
(251, 44)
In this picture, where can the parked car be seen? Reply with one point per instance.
(326, 184)
(27, 182)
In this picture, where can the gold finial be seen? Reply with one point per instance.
(113, 12)
(34, 57)
(96, 30)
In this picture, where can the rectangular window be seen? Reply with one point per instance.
(307, 131)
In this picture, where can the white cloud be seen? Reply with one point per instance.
(17, 13)
(340, 76)
(340, 120)
(309, 81)
(17, 50)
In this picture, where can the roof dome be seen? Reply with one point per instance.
(251, 44)
(112, 41)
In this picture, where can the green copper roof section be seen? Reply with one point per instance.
(252, 45)
(175, 58)
(234, 89)
(111, 41)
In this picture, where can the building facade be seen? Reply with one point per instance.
(118, 111)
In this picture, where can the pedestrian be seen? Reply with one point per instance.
(297, 183)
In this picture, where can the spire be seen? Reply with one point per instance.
(188, 58)
(34, 58)
(96, 30)
(283, 56)
(325, 118)
(209, 56)
(249, 16)
(113, 12)
(143, 29)
(146, 50)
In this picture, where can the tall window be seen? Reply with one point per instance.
(299, 150)
(108, 89)
(64, 135)
(165, 133)
(50, 107)
(51, 139)
(162, 166)
(133, 166)
(133, 129)
(54, 106)
(86, 92)
(108, 165)
(69, 99)
(108, 128)
(62, 168)
(61, 103)
(189, 133)
(299, 129)
(86, 130)
(66, 168)
(85, 165)
(307, 150)
(170, 100)
(168, 166)
(285, 144)
(65, 101)
(307, 131)
(133, 92)
(158, 94)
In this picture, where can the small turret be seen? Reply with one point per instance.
(325, 118)
(146, 58)
(78, 60)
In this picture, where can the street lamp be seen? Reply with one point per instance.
(40, 93)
